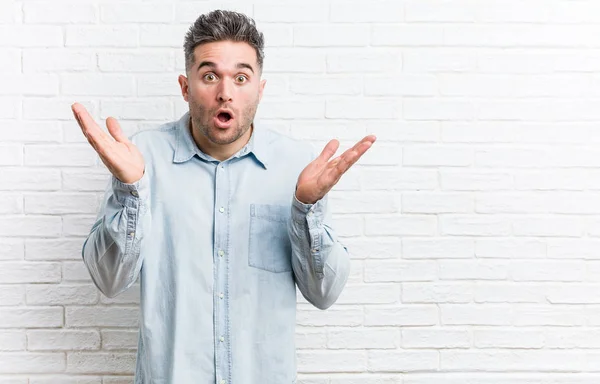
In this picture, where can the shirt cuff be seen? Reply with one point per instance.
(130, 194)
(312, 214)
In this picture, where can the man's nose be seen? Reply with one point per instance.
(225, 92)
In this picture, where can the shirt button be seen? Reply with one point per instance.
(223, 382)
(221, 295)
(135, 193)
(131, 234)
(222, 339)
(221, 209)
(221, 253)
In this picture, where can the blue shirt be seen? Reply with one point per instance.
(219, 248)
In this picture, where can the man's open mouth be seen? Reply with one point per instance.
(224, 117)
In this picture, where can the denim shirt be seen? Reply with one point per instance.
(219, 248)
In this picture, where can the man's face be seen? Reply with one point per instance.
(223, 89)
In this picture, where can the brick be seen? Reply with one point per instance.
(508, 338)
(62, 340)
(405, 315)
(102, 36)
(316, 35)
(12, 295)
(60, 203)
(474, 225)
(325, 85)
(72, 155)
(133, 13)
(53, 249)
(97, 85)
(11, 204)
(409, 225)
(31, 36)
(424, 338)
(334, 316)
(437, 203)
(57, 60)
(366, 108)
(162, 35)
(363, 338)
(12, 341)
(30, 272)
(370, 294)
(280, 13)
(112, 363)
(27, 363)
(403, 361)
(361, 12)
(150, 109)
(311, 338)
(328, 361)
(101, 316)
(66, 380)
(119, 339)
(31, 132)
(150, 61)
(61, 294)
(75, 271)
(380, 271)
(473, 270)
(11, 249)
(442, 292)
(41, 13)
(11, 154)
(465, 314)
(85, 181)
(439, 248)
(401, 85)
(39, 317)
(29, 85)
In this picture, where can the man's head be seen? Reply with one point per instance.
(224, 58)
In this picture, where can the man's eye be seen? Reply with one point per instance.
(210, 77)
(241, 78)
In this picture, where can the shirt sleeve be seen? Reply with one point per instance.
(320, 262)
(111, 251)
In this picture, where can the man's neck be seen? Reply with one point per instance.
(219, 151)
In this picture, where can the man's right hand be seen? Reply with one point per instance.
(120, 156)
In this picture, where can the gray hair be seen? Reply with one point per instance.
(220, 25)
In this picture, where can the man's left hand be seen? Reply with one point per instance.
(322, 174)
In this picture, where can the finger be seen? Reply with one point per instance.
(115, 130)
(341, 164)
(329, 150)
(370, 138)
(90, 129)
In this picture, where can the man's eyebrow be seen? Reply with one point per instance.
(244, 65)
(213, 65)
(207, 64)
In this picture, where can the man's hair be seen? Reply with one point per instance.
(222, 25)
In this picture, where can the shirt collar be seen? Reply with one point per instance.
(186, 148)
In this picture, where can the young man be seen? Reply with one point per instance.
(219, 219)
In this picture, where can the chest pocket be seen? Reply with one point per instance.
(269, 244)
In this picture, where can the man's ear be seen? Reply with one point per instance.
(183, 83)
(261, 88)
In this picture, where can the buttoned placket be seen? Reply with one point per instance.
(221, 273)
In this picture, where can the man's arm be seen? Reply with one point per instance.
(321, 264)
(111, 252)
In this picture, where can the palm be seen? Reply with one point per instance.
(321, 174)
(121, 156)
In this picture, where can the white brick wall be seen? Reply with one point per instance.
(473, 223)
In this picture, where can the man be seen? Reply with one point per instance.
(219, 219)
